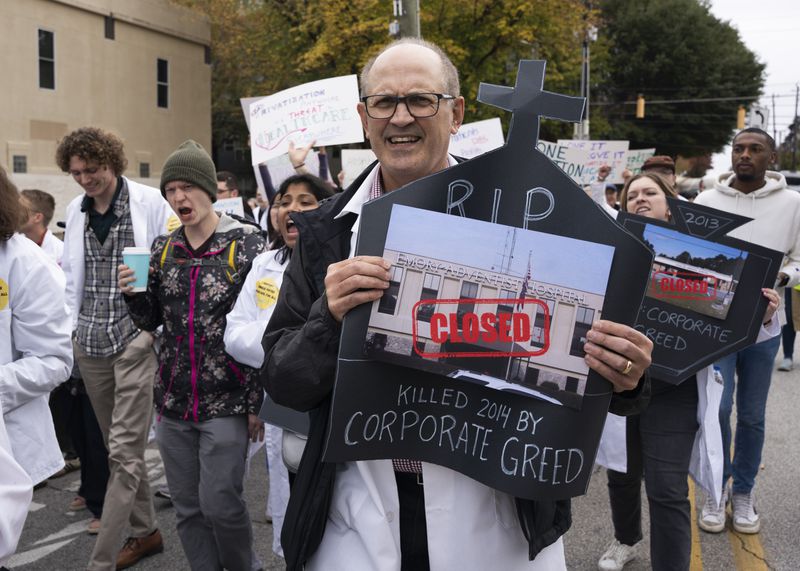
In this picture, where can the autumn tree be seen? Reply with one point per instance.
(672, 51)
(261, 47)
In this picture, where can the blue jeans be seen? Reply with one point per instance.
(753, 368)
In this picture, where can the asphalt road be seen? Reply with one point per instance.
(55, 538)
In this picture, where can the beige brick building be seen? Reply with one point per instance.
(139, 68)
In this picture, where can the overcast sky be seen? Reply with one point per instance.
(672, 243)
(479, 244)
(771, 29)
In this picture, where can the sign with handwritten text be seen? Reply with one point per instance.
(473, 360)
(637, 157)
(233, 205)
(703, 299)
(323, 110)
(571, 160)
(476, 138)
(354, 161)
(611, 153)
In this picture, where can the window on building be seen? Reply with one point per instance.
(538, 333)
(509, 306)
(583, 322)
(109, 27)
(430, 290)
(144, 170)
(162, 82)
(20, 164)
(207, 55)
(47, 60)
(469, 290)
(388, 302)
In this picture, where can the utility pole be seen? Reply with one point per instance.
(774, 127)
(406, 19)
(581, 130)
(794, 131)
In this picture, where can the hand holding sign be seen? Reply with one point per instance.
(350, 283)
(618, 352)
(774, 301)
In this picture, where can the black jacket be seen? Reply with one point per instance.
(301, 345)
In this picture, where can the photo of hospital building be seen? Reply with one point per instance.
(559, 372)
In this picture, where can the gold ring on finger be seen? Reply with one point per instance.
(628, 367)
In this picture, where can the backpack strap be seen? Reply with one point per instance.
(228, 261)
(167, 251)
(232, 272)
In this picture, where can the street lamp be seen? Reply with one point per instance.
(590, 35)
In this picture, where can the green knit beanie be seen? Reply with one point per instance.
(190, 162)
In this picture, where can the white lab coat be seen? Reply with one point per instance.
(150, 214)
(16, 491)
(245, 328)
(470, 526)
(53, 247)
(248, 319)
(35, 352)
(706, 463)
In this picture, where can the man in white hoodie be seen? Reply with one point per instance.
(753, 191)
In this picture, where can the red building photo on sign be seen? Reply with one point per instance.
(693, 273)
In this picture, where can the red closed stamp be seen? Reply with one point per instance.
(456, 323)
(682, 285)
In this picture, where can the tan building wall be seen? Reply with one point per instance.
(107, 83)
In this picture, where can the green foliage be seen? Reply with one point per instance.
(261, 47)
(665, 49)
(670, 50)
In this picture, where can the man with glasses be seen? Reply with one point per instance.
(227, 187)
(115, 358)
(391, 514)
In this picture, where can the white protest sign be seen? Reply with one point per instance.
(637, 157)
(245, 103)
(569, 159)
(476, 138)
(232, 205)
(611, 153)
(354, 161)
(323, 110)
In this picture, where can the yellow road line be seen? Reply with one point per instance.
(748, 553)
(696, 561)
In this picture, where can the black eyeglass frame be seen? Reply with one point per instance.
(403, 99)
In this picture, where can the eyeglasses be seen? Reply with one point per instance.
(419, 105)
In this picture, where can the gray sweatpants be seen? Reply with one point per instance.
(204, 463)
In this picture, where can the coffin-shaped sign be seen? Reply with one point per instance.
(703, 297)
(473, 359)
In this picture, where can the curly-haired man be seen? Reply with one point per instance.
(115, 358)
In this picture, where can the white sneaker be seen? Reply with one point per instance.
(786, 364)
(617, 555)
(712, 516)
(745, 518)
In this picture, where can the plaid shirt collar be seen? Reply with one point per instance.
(88, 202)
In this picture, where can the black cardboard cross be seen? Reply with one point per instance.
(528, 101)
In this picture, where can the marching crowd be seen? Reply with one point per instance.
(236, 306)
